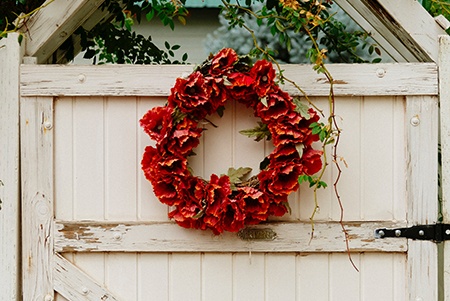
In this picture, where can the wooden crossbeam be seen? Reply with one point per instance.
(370, 79)
(97, 236)
(403, 28)
(51, 26)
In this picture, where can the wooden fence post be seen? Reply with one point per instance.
(444, 98)
(10, 59)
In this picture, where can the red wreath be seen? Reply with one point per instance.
(219, 204)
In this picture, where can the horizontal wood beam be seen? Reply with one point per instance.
(403, 28)
(155, 80)
(96, 236)
(52, 25)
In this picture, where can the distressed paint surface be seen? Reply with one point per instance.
(10, 59)
(109, 223)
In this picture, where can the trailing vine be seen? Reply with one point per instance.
(308, 17)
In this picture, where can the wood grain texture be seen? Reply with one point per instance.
(51, 26)
(422, 142)
(10, 59)
(444, 102)
(37, 197)
(400, 35)
(90, 236)
(75, 285)
(126, 80)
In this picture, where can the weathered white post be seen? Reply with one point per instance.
(444, 98)
(10, 59)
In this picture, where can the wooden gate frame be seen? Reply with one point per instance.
(44, 238)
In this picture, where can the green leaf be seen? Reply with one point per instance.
(263, 100)
(301, 108)
(185, 57)
(220, 111)
(199, 214)
(237, 175)
(300, 147)
(149, 16)
(259, 132)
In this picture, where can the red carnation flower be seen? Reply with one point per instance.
(156, 121)
(192, 95)
(241, 89)
(263, 74)
(217, 191)
(293, 128)
(311, 161)
(278, 105)
(223, 62)
(256, 204)
(233, 215)
(183, 139)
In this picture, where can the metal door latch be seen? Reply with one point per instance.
(434, 232)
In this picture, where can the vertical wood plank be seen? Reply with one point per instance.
(153, 276)
(422, 143)
(10, 59)
(64, 158)
(248, 276)
(185, 277)
(280, 277)
(313, 269)
(217, 276)
(121, 275)
(444, 100)
(37, 197)
(120, 159)
(88, 158)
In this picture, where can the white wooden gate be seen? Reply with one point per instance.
(92, 229)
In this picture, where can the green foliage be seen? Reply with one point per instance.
(237, 176)
(290, 22)
(114, 41)
(259, 132)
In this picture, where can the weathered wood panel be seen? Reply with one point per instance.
(51, 26)
(168, 237)
(422, 142)
(10, 60)
(369, 79)
(444, 102)
(402, 36)
(36, 128)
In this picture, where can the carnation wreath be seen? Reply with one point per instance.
(232, 201)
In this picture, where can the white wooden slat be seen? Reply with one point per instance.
(74, 284)
(153, 276)
(121, 275)
(52, 25)
(125, 80)
(422, 143)
(313, 277)
(64, 158)
(91, 236)
(344, 280)
(444, 101)
(37, 197)
(217, 276)
(10, 59)
(185, 276)
(280, 276)
(120, 159)
(88, 159)
(248, 276)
